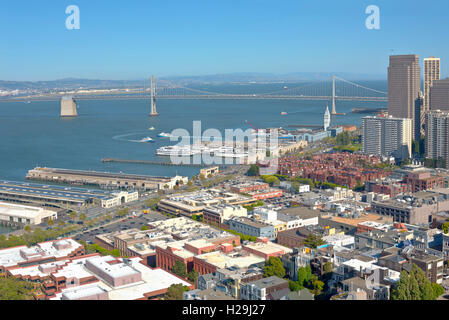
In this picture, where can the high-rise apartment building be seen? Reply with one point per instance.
(387, 136)
(439, 95)
(404, 85)
(437, 135)
(431, 73)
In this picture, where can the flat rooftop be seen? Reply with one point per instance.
(221, 260)
(52, 191)
(16, 210)
(101, 174)
(13, 256)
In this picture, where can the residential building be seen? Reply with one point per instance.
(387, 136)
(437, 136)
(262, 289)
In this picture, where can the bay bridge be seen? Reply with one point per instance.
(332, 89)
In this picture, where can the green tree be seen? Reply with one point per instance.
(313, 241)
(274, 267)
(179, 269)
(445, 227)
(317, 287)
(304, 275)
(144, 228)
(15, 289)
(438, 290)
(192, 276)
(415, 286)
(253, 170)
(294, 286)
(175, 292)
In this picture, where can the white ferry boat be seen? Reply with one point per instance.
(147, 139)
(164, 135)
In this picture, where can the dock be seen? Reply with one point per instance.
(108, 180)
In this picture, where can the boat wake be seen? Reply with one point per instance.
(125, 137)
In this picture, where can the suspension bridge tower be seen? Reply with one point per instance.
(153, 98)
(334, 109)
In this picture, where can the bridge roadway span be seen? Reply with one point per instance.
(199, 97)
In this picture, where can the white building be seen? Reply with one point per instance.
(387, 136)
(266, 214)
(170, 184)
(119, 198)
(340, 240)
(327, 119)
(25, 214)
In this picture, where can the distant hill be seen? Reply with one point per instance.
(73, 83)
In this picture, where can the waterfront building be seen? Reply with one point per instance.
(62, 197)
(14, 214)
(404, 84)
(387, 136)
(106, 180)
(327, 119)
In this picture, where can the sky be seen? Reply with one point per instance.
(135, 38)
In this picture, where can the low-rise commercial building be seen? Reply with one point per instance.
(22, 215)
(62, 197)
(218, 215)
(252, 227)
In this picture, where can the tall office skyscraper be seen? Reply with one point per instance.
(404, 85)
(437, 135)
(387, 136)
(431, 73)
(439, 95)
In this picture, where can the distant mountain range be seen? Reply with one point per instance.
(74, 83)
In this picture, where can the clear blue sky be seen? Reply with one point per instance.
(135, 38)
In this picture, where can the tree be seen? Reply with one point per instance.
(50, 222)
(179, 269)
(294, 286)
(313, 241)
(176, 291)
(27, 228)
(304, 276)
(438, 290)
(192, 276)
(15, 289)
(317, 287)
(415, 286)
(189, 183)
(445, 227)
(144, 228)
(274, 267)
(83, 216)
(73, 215)
(253, 170)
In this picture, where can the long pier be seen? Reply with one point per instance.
(159, 163)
